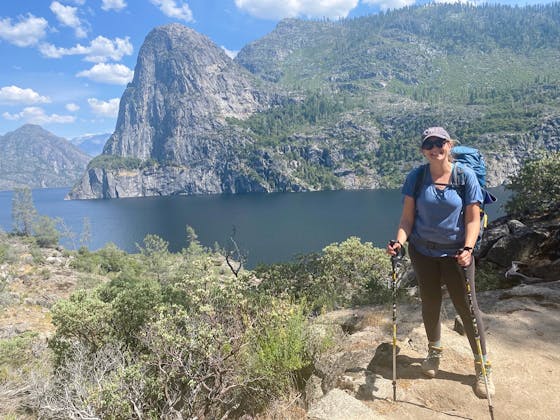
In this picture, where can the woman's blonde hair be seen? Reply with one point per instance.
(451, 156)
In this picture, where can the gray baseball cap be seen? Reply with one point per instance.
(435, 132)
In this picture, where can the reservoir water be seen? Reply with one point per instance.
(268, 227)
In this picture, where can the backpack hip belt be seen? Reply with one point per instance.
(436, 245)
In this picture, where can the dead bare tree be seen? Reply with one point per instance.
(235, 258)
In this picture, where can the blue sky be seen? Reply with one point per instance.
(65, 63)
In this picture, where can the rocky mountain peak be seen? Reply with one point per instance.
(31, 129)
(34, 157)
(184, 85)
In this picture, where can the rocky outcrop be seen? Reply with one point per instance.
(174, 113)
(505, 161)
(184, 87)
(164, 181)
(526, 250)
(35, 158)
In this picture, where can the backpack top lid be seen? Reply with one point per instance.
(472, 158)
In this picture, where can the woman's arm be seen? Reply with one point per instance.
(472, 229)
(405, 225)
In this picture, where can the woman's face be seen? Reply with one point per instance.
(436, 149)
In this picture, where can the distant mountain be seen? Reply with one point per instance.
(327, 105)
(33, 157)
(92, 144)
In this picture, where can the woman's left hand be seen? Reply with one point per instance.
(464, 257)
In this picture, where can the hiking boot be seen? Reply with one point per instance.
(430, 365)
(480, 386)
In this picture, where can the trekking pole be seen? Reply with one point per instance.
(394, 261)
(477, 340)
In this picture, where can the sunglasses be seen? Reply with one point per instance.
(429, 144)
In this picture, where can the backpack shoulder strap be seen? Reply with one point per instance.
(420, 177)
(458, 179)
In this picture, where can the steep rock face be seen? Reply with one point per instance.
(33, 157)
(506, 161)
(173, 114)
(184, 86)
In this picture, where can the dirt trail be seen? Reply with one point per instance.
(523, 334)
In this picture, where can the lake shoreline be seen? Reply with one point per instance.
(268, 227)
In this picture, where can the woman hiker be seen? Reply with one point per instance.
(442, 232)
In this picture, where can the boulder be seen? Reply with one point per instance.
(338, 405)
(518, 245)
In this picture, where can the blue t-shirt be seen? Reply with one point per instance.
(439, 213)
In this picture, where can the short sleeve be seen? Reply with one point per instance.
(410, 182)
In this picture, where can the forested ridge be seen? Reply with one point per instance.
(488, 73)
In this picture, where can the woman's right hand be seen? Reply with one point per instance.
(393, 247)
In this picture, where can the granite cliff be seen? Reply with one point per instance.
(173, 116)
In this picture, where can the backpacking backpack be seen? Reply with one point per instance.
(471, 157)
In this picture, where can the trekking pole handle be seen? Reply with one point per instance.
(401, 251)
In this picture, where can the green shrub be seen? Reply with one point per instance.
(349, 273)
(83, 318)
(36, 254)
(537, 186)
(86, 261)
(488, 277)
(86, 282)
(155, 256)
(109, 259)
(279, 348)
(16, 353)
(199, 341)
(23, 211)
(45, 232)
(133, 302)
(115, 162)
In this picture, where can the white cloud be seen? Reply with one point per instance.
(274, 9)
(176, 9)
(72, 107)
(113, 5)
(99, 50)
(68, 16)
(11, 95)
(108, 108)
(115, 74)
(28, 31)
(230, 53)
(392, 4)
(36, 115)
